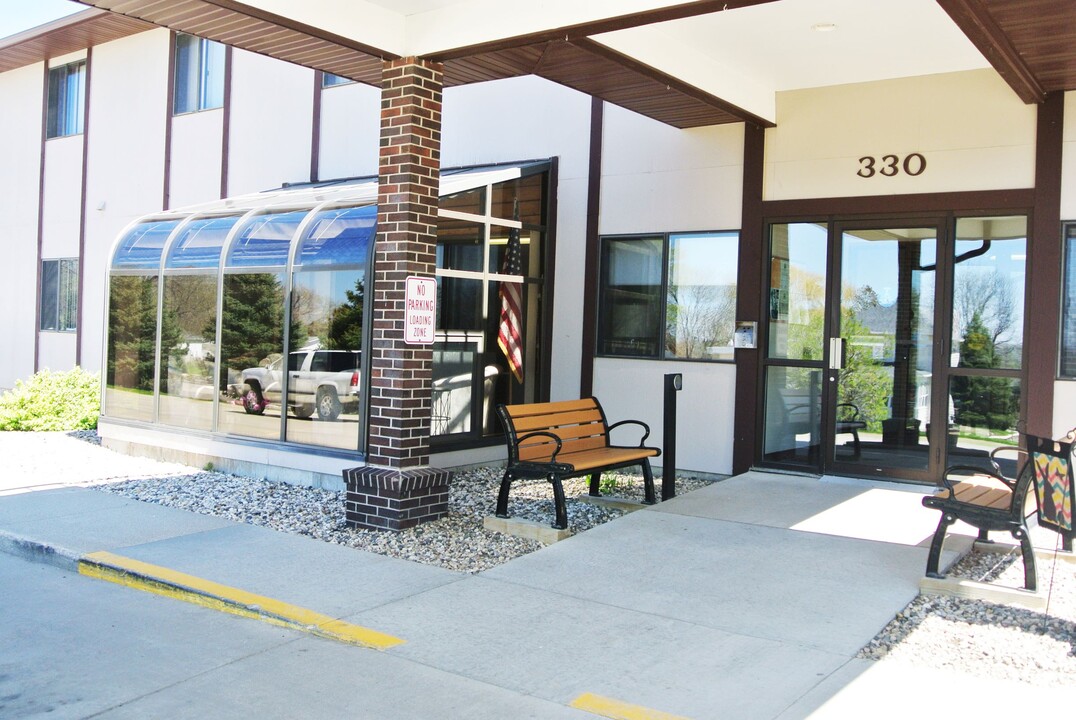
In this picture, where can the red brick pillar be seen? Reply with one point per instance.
(396, 490)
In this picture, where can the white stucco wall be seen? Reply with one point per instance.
(656, 178)
(350, 129)
(20, 148)
(530, 118)
(125, 160)
(973, 131)
(272, 111)
(196, 158)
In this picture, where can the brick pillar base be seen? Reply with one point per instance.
(390, 499)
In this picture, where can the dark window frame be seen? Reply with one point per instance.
(59, 295)
(1066, 366)
(60, 120)
(662, 316)
(192, 58)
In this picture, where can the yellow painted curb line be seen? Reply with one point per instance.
(180, 586)
(617, 710)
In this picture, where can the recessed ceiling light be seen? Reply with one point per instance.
(824, 27)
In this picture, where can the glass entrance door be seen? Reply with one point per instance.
(880, 374)
(891, 349)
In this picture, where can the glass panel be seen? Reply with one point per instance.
(132, 339)
(1068, 306)
(797, 291)
(472, 201)
(212, 75)
(188, 350)
(887, 322)
(50, 294)
(188, 73)
(984, 412)
(329, 80)
(339, 237)
(459, 304)
(265, 240)
(629, 307)
(54, 118)
(67, 304)
(324, 378)
(251, 351)
(74, 88)
(793, 415)
(519, 199)
(700, 314)
(988, 292)
(141, 248)
(461, 245)
(199, 244)
(454, 365)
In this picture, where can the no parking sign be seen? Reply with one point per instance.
(420, 319)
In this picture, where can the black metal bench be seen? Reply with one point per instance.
(561, 440)
(988, 501)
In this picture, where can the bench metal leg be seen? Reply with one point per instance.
(648, 483)
(595, 484)
(561, 521)
(1030, 576)
(502, 496)
(936, 545)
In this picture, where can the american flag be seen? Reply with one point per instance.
(510, 335)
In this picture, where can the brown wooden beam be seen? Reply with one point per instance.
(975, 21)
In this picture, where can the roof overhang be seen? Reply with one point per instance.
(687, 64)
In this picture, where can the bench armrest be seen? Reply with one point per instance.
(969, 470)
(644, 426)
(1021, 458)
(541, 433)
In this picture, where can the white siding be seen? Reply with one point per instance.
(196, 158)
(530, 118)
(973, 131)
(63, 197)
(272, 110)
(20, 148)
(125, 161)
(350, 131)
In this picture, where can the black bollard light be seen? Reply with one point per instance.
(674, 383)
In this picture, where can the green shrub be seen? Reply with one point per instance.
(52, 401)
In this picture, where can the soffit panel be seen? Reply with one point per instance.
(1044, 35)
(67, 35)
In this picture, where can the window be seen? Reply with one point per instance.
(67, 87)
(328, 80)
(59, 294)
(199, 74)
(1068, 306)
(669, 296)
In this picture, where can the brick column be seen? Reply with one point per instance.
(396, 490)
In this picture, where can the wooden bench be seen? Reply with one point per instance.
(988, 501)
(561, 440)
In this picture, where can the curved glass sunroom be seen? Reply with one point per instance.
(249, 317)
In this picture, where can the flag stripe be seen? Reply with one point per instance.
(509, 335)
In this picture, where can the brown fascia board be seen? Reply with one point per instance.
(975, 21)
(66, 35)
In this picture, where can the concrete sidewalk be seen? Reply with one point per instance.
(747, 599)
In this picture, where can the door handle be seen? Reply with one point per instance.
(837, 353)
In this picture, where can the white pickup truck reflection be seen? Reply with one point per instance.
(323, 380)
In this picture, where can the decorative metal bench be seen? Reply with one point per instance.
(561, 440)
(990, 501)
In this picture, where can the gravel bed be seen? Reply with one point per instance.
(457, 542)
(971, 637)
(986, 639)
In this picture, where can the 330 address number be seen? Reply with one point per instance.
(890, 165)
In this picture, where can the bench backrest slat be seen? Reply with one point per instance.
(580, 425)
